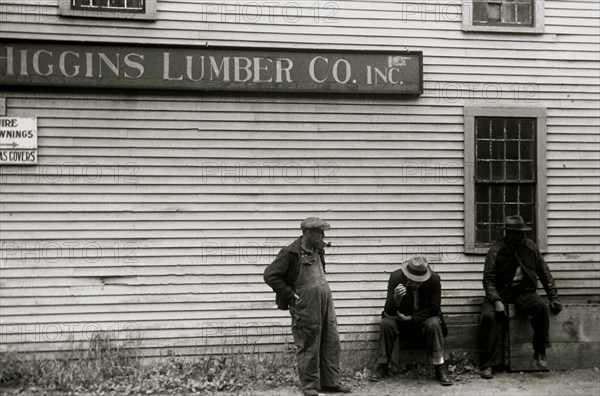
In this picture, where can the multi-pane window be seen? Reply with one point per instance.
(109, 9)
(503, 16)
(109, 5)
(503, 12)
(505, 174)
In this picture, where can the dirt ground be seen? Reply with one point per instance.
(552, 383)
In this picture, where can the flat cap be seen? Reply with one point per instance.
(314, 223)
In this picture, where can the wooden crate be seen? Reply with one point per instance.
(574, 334)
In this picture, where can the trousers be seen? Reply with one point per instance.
(493, 325)
(430, 331)
(314, 327)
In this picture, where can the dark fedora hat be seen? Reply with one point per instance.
(515, 223)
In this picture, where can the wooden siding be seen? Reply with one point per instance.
(158, 212)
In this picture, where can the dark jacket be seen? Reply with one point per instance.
(501, 264)
(430, 298)
(283, 272)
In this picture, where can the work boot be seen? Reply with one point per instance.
(336, 389)
(540, 360)
(486, 373)
(441, 375)
(379, 373)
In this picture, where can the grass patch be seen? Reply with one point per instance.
(115, 367)
(109, 366)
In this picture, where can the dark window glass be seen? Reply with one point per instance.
(498, 150)
(512, 150)
(512, 170)
(482, 213)
(482, 232)
(483, 193)
(483, 170)
(497, 129)
(504, 183)
(493, 12)
(483, 125)
(527, 150)
(497, 193)
(497, 213)
(496, 232)
(497, 170)
(524, 14)
(512, 129)
(526, 193)
(109, 5)
(479, 11)
(503, 12)
(525, 211)
(527, 129)
(527, 171)
(511, 193)
(483, 149)
(511, 210)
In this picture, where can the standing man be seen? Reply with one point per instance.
(298, 278)
(413, 309)
(512, 268)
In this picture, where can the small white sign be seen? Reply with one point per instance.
(15, 157)
(18, 140)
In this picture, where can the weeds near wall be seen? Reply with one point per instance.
(105, 358)
(358, 357)
(112, 366)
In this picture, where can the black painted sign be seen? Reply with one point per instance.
(210, 69)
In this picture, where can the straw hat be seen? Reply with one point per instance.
(416, 269)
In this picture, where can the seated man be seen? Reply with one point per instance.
(512, 268)
(413, 303)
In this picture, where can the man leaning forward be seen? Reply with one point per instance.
(413, 309)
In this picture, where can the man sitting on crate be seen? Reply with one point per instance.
(512, 268)
(412, 308)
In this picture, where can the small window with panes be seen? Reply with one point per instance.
(508, 16)
(117, 9)
(503, 12)
(505, 173)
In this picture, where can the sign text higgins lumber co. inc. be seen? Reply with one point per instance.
(210, 69)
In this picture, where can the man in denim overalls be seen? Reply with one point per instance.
(297, 276)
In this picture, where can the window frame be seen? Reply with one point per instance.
(541, 204)
(537, 28)
(150, 14)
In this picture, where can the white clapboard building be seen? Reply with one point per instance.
(156, 154)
